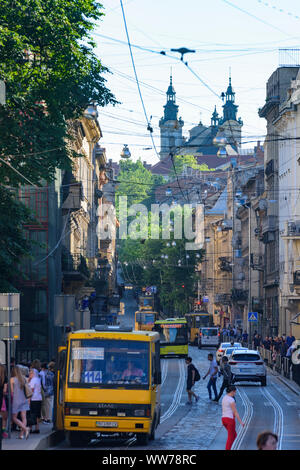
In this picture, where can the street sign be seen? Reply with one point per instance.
(252, 316)
(10, 316)
(64, 309)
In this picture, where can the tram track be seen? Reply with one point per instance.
(177, 395)
(246, 419)
(278, 417)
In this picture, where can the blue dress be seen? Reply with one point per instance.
(19, 402)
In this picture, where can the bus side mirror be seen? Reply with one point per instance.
(157, 378)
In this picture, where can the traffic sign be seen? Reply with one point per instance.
(10, 316)
(252, 316)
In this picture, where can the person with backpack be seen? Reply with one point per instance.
(192, 377)
(225, 370)
(49, 392)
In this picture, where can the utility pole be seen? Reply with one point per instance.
(249, 268)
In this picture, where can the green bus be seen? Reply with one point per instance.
(173, 333)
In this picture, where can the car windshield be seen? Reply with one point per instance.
(108, 363)
(229, 350)
(246, 357)
(209, 331)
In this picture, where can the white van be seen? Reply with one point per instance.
(208, 336)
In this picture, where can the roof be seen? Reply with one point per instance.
(221, 205)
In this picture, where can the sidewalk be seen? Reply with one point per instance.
(288, 382)
(45, 439)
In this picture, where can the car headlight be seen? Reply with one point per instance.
(139, 412)
(74, 411)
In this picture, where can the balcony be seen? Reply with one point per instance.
(293, 230)
(74, 267)
(225, 264)
(223, 299)
(239, 295)
(269, 170)
(269, 224)
(73, 196)
(296, 276)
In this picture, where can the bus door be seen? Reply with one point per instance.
(59, 390)
(155, 384)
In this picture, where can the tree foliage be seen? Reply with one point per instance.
(189, 161)
(13, 242)
(51, 75)
(51, 72)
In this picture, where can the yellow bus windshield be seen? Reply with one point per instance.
(175, 333)
(109, 363)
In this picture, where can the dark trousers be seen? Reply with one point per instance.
(212, 384)
(224, 385)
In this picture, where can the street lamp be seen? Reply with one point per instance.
(168, 191)
(125, 152)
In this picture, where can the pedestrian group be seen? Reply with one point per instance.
(31, 391)
(265, 440)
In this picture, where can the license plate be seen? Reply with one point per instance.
(106, 424)
(245, 370)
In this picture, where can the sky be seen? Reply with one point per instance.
(241, 37)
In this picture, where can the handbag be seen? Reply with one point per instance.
(27, 390)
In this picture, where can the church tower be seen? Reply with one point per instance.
(170, 125)
(229, 124)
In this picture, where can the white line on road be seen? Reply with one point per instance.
(177, 395)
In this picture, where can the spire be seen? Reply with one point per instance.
(229, 108)
(171, 109)
(215, 118)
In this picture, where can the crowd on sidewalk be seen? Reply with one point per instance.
(31, 389)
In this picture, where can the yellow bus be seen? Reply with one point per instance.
(145, 319)
(196, 320)
(108, 381)
(173, 334)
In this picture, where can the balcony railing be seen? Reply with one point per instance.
(225, 264)
(75, 265)
(269, 224)
(224, 299)
(239, 295)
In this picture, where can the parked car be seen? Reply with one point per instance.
(248, 366)
(222, 348)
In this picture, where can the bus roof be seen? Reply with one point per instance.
(171, 320)
(198, 313)
(133, 335)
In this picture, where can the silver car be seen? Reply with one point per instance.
(229, 351)
(223, 347)
(247, 365)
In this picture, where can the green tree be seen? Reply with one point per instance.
(13, 242)
(190, 161)
(51, 73)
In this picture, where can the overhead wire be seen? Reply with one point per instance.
(137, 81)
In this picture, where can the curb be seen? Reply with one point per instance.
(50, 441)
(293, 387)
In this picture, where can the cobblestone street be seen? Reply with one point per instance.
(198, 428)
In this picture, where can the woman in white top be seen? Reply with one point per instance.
(36, 399)
(229, 413)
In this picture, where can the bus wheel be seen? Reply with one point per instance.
(152, 434)
(142, 438)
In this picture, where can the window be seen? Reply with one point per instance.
(172, 333)
(109, 363)
(246, 357)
